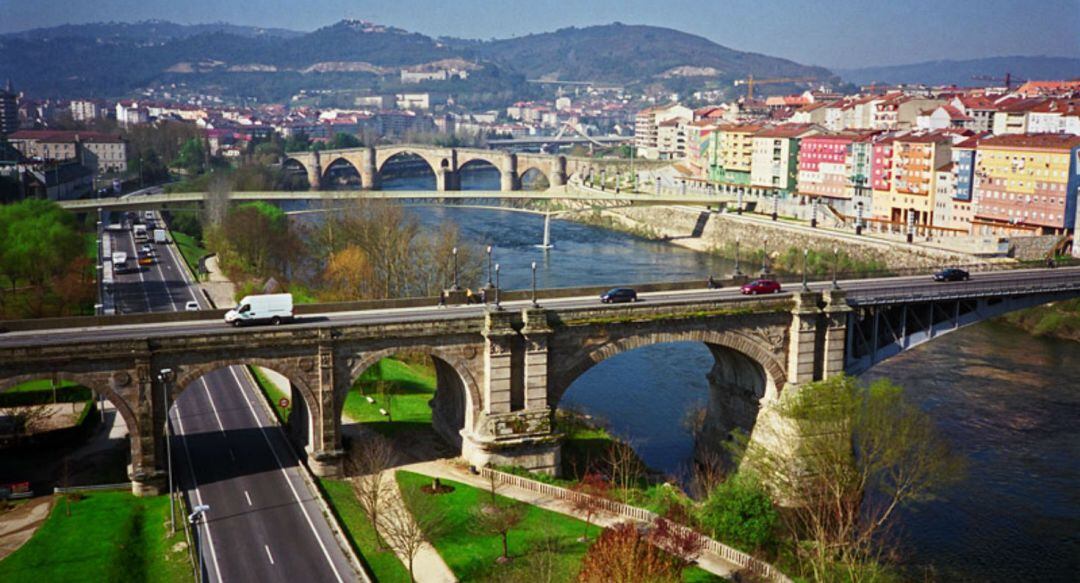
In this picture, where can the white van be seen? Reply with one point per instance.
(272, 308)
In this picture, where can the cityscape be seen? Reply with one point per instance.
(391, 297)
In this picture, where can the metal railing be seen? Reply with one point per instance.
(737, 557)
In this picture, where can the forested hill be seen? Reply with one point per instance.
(121, 60)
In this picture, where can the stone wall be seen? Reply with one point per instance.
(1032, 248)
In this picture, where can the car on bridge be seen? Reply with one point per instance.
(760, 286)
(952, 274)
(618, 295)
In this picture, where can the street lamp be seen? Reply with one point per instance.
(497, 305)
(737, 271)
(193, 518)
(163, 376)
(775, 205)
(455, 287)
(813, 212)
(805, 256)
(835, 266)
(765, 257)
(534, 303)
(489, 266)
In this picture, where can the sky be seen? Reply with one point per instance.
(832, 33)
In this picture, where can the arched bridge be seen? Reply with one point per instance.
(445, 163)
(501, 373)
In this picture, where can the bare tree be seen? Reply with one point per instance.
(370, 484)
(409, 525)
(624, 465)
(591, 492)
(499, 518)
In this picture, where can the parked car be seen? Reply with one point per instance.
(761, 286)
(191, 306)
(952, 274)
(618, 295)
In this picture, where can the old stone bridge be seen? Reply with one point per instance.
(502, 373)
(445, 163)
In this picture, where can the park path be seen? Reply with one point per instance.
(447, 469)
(19, 524)
(428, 565)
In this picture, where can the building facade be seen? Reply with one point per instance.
(101, 153)
(9, 110)
(775, 161)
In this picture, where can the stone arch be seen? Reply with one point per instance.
(94, 383)
(188, 374)
(446, 363)
(535, 170)
(341, 166)
(739, 349)
(294, 169)
(477, 163)
(384, 156)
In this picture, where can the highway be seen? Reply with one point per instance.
(228, 453)
(859, 291)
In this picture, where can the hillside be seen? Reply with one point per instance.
(628, 54)
(114, 60)
(961, 72)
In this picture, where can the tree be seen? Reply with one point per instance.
(682, 543)
(862, 454)
(192, 156)
(740, 512)
(342, 140)
(622, 554)
(624, 466)
(409, 525)
(348, 274)
(499, 518)
(592, 491)
(370, 464)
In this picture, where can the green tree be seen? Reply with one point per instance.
(192, 156)
(298, 142)
(740, 512)
(343, 140)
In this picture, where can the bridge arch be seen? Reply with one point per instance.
(749, 362)
(457, 401)
(97, 384)
(534, 175)
(341, 172)
(296, 174)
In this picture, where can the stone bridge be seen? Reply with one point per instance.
(502, 373)
(445, 163)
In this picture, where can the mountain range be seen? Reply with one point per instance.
(117, 59)
(961, 73)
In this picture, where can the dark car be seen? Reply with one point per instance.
(952, 274)
(619, 294)
(761, 286)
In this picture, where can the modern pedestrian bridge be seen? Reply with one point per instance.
(501, 373)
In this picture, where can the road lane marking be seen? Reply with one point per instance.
(232, 455)
(268, 555)
(285, 473)
(142, 281)
(248, 498)
(195, 487)
(213, 407)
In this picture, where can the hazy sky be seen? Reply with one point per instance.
(835, 33)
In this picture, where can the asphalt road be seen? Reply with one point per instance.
(264, 522)
(858, 291)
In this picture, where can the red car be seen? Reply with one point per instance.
(761, 286)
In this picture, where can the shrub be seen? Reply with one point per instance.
(739, 512)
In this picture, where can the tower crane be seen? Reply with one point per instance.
(750, 82)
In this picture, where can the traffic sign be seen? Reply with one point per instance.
(283, 403)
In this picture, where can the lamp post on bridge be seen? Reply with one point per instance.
(535, 304)
(163, 377)
(498, 306)
(193, 518)
(489, 266)
(775, 205)
(738, 273)
(455, 287)
(805, 282)
(835, 267)
(765, 257)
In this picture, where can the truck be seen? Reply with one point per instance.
(119, 262)
(159, 237)
(272, 308)
(140, 232)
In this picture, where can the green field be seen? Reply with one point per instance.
(410, 386)
(274, 393)
(40, 385)
(383, 564)
(190, 249)
(471, 555)
(110, 536)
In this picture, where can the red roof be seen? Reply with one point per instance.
(1041, 141)
(64, 136)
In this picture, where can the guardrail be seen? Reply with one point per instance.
(91, 488)
(1050, 283)
(737, 557)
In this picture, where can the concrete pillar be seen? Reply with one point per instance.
(508, 178)
(836, 319)
(314, 171)
(802, 347)
(325, 455)
(147, 476)
(537, 333)
(369, 173)
(557, 175)
(498, 361)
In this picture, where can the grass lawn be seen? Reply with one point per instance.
(110, 536)
(40, 385)
(383, 564)
(190, 249)
(275, 394)
(412, 386)
(471, 555)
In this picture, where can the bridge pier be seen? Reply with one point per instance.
(325, 455)
(314, 172)
(147, 476)
(369, 172)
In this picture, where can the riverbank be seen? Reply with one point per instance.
(1059, 320)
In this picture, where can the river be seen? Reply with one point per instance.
(1008, 402)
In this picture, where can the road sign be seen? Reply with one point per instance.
(283, 403)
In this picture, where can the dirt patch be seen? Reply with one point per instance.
(20, 523)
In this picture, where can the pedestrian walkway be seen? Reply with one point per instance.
(446, 469)
(428, 565)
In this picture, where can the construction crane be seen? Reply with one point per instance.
(1007, 80)
(750, 82)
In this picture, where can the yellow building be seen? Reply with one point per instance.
(912, 188)
(733, 154)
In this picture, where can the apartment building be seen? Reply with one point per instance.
(1027, 184)
(102, 153)
(733, 153)
(916, 162)
(775, 162)
(647, 131)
